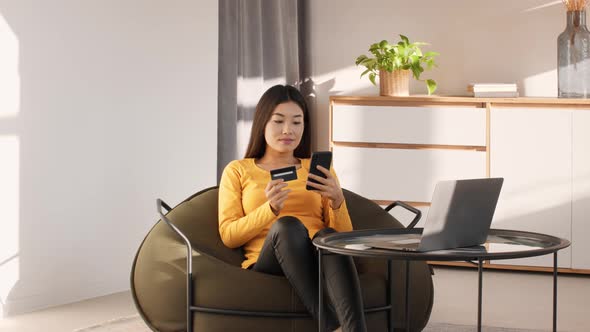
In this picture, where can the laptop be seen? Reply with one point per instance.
(460, 215)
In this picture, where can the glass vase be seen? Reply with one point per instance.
(573, 57)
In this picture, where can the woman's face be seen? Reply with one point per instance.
(284, 129)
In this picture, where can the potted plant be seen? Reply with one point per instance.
(393, 63)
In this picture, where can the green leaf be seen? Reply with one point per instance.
(369, 63)
(431, 84)
(405, 39)
(383, 44)
(430, 63)
(360, 59)
(372, 78)
(401, 49)
(417, 51)
(365, 72)
(416, 71)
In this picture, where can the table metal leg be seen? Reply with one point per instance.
(408, 296)
(479, 288)
(555, 291)
(390, 295)
(321, 293)
(189, 301)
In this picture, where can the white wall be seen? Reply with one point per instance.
(115, 105)
(479, 41)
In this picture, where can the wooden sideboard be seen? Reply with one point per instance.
(398, 148)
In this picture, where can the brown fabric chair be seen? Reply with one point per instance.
(159, 277)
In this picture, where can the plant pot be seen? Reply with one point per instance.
(396, 83)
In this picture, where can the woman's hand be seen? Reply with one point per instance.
(328, 187)
(275, 195)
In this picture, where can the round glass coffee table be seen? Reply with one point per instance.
(500, 244)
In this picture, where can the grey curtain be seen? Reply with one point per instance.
(261, 44)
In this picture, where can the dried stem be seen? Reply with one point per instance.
(576, 5)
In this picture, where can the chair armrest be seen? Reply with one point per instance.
(408, 207)
(189, 264)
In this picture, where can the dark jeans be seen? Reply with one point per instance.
(288, 251)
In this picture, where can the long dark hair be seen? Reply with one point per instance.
(273, 97)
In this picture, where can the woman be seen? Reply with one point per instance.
(275, 221)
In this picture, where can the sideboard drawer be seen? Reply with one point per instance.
(403, 174)
(409, 125)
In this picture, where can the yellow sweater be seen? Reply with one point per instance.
(245, 216)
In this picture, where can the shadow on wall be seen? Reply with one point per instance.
(9, 161)
(489, 41)
(60, 163)
(103, 98)
(499, 41)
(493, 41)
(76, 145)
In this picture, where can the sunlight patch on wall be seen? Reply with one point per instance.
(243, 129)
(541, 85)
(520, 198)
(345, 79)
(251, 89)
(249, 92)
(550, 4)
(9, 227)
(9, 77)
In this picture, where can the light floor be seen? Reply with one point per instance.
(510, 299)
(69, 317)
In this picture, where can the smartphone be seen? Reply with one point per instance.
(322, 158)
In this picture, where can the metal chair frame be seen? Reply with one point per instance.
(189, 276)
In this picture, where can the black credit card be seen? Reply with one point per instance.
(286, 173)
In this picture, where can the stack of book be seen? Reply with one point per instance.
(506, 90)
